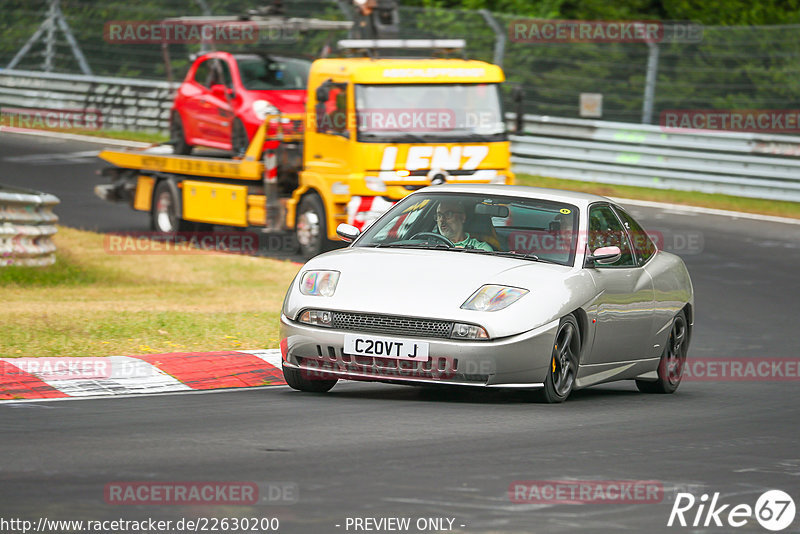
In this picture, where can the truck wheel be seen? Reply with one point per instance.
(177, 136)
(311, 226)
(239, 139)
(165, 215)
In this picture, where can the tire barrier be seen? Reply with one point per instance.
(27, 225)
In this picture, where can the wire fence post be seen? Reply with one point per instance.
(650, 83)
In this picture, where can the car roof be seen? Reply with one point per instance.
(582, 200)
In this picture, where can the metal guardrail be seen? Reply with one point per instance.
(119, 103)
(27, 225)
(742, 164)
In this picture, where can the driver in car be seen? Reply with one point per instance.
(450, 219)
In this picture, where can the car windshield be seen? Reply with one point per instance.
(260, 73)
(525, 228)
(431, 112)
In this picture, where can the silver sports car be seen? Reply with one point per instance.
(492, 285)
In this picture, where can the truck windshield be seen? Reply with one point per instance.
(263, 73)
(429, 112)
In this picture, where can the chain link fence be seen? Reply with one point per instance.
(727, 68)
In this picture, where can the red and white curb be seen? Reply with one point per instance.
(64, 377)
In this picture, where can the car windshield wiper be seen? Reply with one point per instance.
(525, 256)
(390, 137)
(400, 244)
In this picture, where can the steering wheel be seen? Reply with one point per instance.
(440, 237)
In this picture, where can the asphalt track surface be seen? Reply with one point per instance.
(373, 450)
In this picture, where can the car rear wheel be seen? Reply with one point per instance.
(177, 136)
(239, 139)
(563, 368)
(296, 380)
(670, 368)
(311, 226)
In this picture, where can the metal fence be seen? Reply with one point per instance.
(102, 102)
(741, 164)
(722, 68)
(27, 224)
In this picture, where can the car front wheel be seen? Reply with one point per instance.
(563, 369)
(296, 380)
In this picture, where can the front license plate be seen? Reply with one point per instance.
(385, 347)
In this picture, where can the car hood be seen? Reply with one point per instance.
(289, 101)
(435, 283)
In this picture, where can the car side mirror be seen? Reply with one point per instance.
(605, 255)
(220, 91)
(347, 232)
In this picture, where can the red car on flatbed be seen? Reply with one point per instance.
(225, 97)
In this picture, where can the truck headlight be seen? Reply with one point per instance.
(262, 108)
(319, 283)
(493, 297)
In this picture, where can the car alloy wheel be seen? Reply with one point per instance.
(673, 359)
(563, 369)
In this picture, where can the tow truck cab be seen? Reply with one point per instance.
(377, 129)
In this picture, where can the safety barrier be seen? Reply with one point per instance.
(743, 164)
(733, 163)
(98, 101)
(27, 225)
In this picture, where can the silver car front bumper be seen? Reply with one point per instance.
(521, 360)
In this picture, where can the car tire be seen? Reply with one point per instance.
(165, 212)
(239, 138)
(673, 359)
(177, 135)
(563, 369)
(311, 227)
(295, 379)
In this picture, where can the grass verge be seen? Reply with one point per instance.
(671, 196)
(93, 303)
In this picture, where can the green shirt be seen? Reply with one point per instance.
(471, 242)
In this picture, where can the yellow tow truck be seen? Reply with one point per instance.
(376, 129)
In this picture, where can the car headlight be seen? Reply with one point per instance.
(468, 331)
(262, 108)
(316, 317)
(319, 283)
(493, 297)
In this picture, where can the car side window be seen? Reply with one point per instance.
(642, 244)
(605, 230)
(331, 108)
(220, 73)
(202, 73)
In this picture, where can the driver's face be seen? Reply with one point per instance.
(450, 220)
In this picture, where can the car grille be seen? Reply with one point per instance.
(388, 324)
(440, 369)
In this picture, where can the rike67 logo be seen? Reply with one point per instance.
(774, 510)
